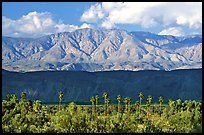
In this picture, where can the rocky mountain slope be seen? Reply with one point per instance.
(102, 50)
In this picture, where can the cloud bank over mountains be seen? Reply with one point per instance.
(36, 24)
(176, 31)
(171, 16)
(146, 14)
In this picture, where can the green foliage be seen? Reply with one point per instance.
(23, 95)
(21, 116)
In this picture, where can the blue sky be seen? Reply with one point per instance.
(34, 19)
(69, 12)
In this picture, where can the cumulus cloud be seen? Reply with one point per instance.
(66, 27)
(85, 25)
(93, 14)
(146, 14)
(36, 24)
(175, 31)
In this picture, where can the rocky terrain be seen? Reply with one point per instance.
(102, 50)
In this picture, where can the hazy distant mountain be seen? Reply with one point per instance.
(81, 85)
(101, 50)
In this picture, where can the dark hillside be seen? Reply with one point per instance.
(80, 86)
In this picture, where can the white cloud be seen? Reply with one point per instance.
(93, 14)
(195, 33)
(175, 31)
(146, 14)
(107, 24)
(35, 24)
(85, 25)
(66, 27)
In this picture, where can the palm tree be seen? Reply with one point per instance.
(149, 100)
(8, 97)
(37, 105)
(119, 101)
(128, 102)
(187, 104)
(97, 99)
(92, 103)
(178, 104)
(137, 104)
(161, 100)
(172, 104)
(23, 95)
(30, 105)
(61, 95)
(108, 103)
(105, 96)
(141, 96)
(14, 98)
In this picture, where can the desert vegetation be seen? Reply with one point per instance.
(26, 116)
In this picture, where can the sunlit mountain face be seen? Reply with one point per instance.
(102, 50)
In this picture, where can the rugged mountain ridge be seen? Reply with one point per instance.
(102, 50)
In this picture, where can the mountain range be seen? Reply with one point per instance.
(101, 50)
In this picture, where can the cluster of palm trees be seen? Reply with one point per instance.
(149, 100)
(127, 102)
(95, 100)
(92, 100)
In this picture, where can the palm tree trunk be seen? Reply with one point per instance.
(93, 107)
(105, 108)
(129, 108)
(140, 104)
(118, 106)
(160, 106)
(96, 107)
(59, 105)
